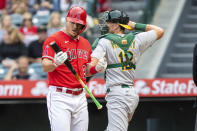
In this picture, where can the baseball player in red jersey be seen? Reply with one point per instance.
(66, 101)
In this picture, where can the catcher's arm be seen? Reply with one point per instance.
(159, 31)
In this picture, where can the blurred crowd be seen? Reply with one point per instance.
(25, 24)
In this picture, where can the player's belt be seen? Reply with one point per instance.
(126, 86)
(75, 91)
(122, 86)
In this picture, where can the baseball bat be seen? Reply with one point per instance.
(55, 47)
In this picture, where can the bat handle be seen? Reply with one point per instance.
(67, 63)
(55, 47)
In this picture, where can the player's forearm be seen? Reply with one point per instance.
(159, 31)
(146, 27)
(90, 69)
(48, 65)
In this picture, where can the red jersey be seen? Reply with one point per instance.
(79, 54)
(28, 31)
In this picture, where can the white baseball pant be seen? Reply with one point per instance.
(67, 112)
(121, 104)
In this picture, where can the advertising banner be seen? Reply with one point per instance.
(176, 87)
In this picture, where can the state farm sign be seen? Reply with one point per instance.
(145, 87)
(165, 87)
(23, 89)
(152, 87)
(11, 90)
(176, 87)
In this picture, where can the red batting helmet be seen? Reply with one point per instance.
(77, 15)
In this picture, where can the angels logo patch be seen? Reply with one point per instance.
(46, 50)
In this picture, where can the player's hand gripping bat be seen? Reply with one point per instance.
(55, 47)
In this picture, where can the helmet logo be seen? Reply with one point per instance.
(78, 16)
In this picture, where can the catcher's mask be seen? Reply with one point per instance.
(114, 16)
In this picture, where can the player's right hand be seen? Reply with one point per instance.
(60, 58)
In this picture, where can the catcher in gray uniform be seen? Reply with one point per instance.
(121, 52)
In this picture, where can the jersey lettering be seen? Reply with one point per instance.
(132, 45)
(114, 46)
(69, 54)
(79, 52)
(73, 54)
(85, 55)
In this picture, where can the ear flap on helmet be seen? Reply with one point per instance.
(124, 18)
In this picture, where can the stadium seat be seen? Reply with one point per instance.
(37, 69)
(3, 71)
(63, 17)
(16, 19)
(40, 20)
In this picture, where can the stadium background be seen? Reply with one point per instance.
(169, 62)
